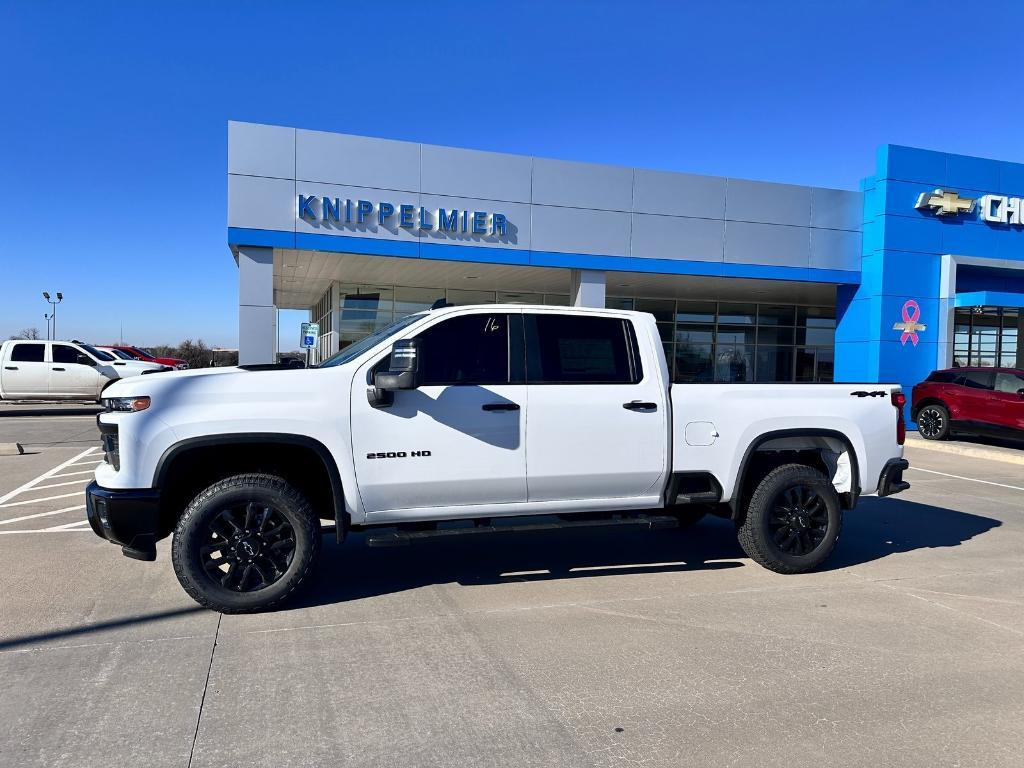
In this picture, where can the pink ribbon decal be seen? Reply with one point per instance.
(910, 326)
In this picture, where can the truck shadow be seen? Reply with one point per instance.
(878, 528)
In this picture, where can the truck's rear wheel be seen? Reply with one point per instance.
(793, 520)
(245, 543)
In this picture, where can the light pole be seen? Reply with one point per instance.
(53, 313)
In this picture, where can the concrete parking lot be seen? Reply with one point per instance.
(599, 648)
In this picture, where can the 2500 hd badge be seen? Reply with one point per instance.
(397, 454)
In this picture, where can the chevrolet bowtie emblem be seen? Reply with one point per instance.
(944, 202)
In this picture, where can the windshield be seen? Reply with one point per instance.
(119, 353)
(353, 351)
(99, 354)
(140, 352)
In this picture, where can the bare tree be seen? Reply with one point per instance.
(27, 333)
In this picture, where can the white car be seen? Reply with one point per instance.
(60, 370)
(128, 365)
(474, 413)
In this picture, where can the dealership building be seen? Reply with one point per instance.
(921, 267)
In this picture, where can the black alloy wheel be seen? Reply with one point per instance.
(248, 547)
(245, 543)
(933, 422)
(798, 521)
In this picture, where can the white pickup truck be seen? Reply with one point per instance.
(469, 414)
(61, 370)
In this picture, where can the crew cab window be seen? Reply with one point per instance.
(470, 349)
(978, 379)
(27, 353)
(574, 349)
(1009, 382)
(64, 354)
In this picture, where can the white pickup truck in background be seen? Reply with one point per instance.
(61, 370)
(474, 413)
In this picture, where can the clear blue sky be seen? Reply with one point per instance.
(113, 130)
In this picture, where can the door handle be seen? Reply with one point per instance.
(639, 405)
(10, 367)
(500, 407)
(56, 369)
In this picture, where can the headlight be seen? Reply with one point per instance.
(126, 404)
(182, 366)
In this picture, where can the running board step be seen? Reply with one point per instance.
(702, 497)
(404, 538)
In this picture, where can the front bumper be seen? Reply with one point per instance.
(891, 480)
(130, 518)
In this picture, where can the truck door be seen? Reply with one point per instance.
(73, 373)
(25, 371)
(458, 439)
(598, 420)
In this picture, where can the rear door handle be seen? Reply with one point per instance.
(10, 367)
(639, 405)
(500, 407)
(56, 369)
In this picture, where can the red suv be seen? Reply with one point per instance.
(147, 356)
(979, 400)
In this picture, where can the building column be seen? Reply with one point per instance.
(587, 288)
(257, 326)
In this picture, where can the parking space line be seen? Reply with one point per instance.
(46, 475)
(45, 498)
(72, 474)
(68, 526)
(58, 485)
(41, 514)
(970, 479)
(47, 530)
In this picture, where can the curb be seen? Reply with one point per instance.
(1006, 455)
(11, 449)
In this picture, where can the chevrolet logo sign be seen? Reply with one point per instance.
(944, 202)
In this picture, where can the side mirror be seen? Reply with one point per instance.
(403, 373)
(85, 360)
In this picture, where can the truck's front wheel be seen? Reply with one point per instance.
(793, 520)
(245, 543)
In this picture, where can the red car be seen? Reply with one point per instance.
(977, 400)
(143, 354)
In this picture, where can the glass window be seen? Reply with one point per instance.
(471, 349)
(666, 331)
(409, 300)
(734, 363)
(614, 302)
(1009, 382)
(735, 334)
(662, 309)
(804, 365)
(816, 337)
(461, 298)
(695, 334)
(27, 353)
(772, 314)
(376, 299)
(520, 298)
(816, 317)
(556, 300)
(694, 364)
(568, 349)
(943, 377)
(775, 335)
(352, 351)
(65, 354)
(737, 313)
(774, 364)
(825, 365)
(978, 379)
(695, 312)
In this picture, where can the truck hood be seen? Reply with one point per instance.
(223, 387)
